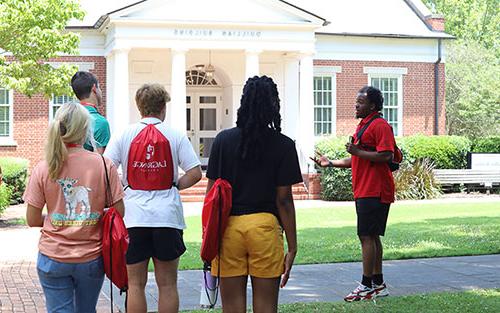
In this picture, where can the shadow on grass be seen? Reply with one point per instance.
(429, 238)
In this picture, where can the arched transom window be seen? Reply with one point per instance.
(199, 78)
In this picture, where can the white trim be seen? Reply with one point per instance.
(52, 104)
(320, 70)
(328, 71)
(399, 77)
(385, 70)
(82, 66)
(9, 140)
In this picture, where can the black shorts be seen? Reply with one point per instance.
(372, 216)
(162, 243)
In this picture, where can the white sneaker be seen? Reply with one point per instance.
(380, 290)
(361, 292)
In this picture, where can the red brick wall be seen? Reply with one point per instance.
(418, 94)
(31, 116)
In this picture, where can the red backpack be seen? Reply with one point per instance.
(114, 244)
(114, 247)
(150, 165)
(214, 218)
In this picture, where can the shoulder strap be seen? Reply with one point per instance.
(109, 195)
(362, 130)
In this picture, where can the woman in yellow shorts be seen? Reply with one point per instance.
(261, 164)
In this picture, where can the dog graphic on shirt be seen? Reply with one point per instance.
(74, 195)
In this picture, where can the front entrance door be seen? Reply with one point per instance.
(203, 121)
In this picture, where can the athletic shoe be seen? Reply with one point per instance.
(380, 290)
(361, 292)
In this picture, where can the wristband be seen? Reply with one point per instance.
(330, 164)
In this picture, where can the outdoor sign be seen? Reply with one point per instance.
(484, 161)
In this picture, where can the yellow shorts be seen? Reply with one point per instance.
(252, 245)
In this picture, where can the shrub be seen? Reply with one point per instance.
(445, 152)
(335, 182)
(488, 144)
(416, 181)
(15, 172)
(5, 194)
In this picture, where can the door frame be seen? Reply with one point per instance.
(194, 134)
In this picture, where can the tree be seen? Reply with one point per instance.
(31, 33)
(472, 90)
(475, 20)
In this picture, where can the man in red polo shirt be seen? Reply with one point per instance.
(373, 187)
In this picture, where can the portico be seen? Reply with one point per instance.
(144, 47)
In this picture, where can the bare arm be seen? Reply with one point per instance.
(286, 211)
(120, 207)
(190, 178)
(210, 185)
(34, 216)
(323, 161)
(374, 156)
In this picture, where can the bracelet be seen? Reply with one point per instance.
(330, 164)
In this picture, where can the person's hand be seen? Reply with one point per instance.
(289, 258)
(320, 159)
(352, 148)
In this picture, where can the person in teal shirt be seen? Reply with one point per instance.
(86, 88)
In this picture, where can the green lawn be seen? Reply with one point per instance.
(414, 231)
(474, 301)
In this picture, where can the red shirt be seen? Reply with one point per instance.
(371, 179)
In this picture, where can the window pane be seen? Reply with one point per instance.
(188, 119)
(208, 99)
(317, 129)
(4, 129)
(4, 99)
(188, 99)
(208, 119)
(4, 114)
(206, 146)
(316, 114)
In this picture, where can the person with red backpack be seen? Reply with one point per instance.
(150, 154)
(72, 184)
(373, 151)
(261, 164)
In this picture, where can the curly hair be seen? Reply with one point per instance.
(374, 96)
(258, 114)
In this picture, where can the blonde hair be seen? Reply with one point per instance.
(71, 124)
(151, 99)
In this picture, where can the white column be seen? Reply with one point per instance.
(251, 64)
(178, 92)
(306, 111)
(119, 90)
(110, 80)
(290, 99)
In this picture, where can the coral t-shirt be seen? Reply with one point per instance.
(72, 230)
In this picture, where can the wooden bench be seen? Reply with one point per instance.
(468, 177)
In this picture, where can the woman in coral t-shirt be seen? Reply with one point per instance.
(71, 183)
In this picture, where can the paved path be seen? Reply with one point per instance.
(20, 290)
(330, 282)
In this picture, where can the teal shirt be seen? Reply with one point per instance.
(102, 133)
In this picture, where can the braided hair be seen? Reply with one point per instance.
(258, 115)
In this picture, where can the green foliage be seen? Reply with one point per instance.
(472, 90)
(336, 183)
(5, 194)
(33, 31)
(446, 152)
(416, 181)
(488, 144)
(475, 20)
(15, 173)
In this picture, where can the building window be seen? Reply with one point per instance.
(323, 105)
(391, 90)
(390, 82)
(56, 102)
(6, 117)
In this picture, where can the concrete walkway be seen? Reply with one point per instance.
(331, 282)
